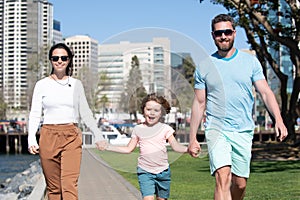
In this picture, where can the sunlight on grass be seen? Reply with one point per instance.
(191, 179)
(120, 162)
(128, 162)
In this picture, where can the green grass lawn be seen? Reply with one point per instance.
(191, 179)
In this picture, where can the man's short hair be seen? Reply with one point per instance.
(222, 18)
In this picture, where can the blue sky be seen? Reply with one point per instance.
(105, 20)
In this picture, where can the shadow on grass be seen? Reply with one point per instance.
(204, 166)
(275, 166)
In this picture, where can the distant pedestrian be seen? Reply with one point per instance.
(153, 168)
(223, 88)
(61, 100)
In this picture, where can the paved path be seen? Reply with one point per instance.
(98, 181)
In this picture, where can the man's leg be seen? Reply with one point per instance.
(219, 150)
(223, 182)
(238, 187)
(241, 158)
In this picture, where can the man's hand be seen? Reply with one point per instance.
(281, 131)
(194, 148)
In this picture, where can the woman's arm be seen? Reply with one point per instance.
(86, 113)
(35, 117)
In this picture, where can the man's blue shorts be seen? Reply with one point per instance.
(151, 184)
(228, 148)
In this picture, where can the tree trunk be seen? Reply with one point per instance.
(292, 115)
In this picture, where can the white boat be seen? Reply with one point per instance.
(113, 136)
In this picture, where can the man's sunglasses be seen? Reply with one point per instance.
(56, 58)
(219, 33)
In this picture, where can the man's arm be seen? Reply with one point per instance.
(198, 108)
(269, 100)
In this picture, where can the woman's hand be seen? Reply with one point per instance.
(101, 145)
(33, 149)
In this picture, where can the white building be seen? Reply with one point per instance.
(85, 63)
(26, 35)
(155, 65)
(85, 51)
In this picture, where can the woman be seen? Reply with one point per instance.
(61, 100)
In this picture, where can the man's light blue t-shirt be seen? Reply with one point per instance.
(228, 83)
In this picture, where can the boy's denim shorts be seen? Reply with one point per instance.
(228, 148)
(151, 184)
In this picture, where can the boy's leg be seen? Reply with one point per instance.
(148, 198)
(163, 184)
(147, 184)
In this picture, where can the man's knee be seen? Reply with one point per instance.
(239, 183)
(223, 176)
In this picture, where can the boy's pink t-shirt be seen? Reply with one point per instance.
(153, 156)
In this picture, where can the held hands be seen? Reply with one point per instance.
(194, 148)
(102, 145)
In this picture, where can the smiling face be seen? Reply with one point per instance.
(61, 64)
(152, 113)
(224, 42)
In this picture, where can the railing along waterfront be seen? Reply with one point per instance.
(16, 141)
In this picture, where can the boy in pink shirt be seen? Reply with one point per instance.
(153, 168)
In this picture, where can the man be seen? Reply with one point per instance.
(223, 88)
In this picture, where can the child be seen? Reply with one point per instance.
(153, 168)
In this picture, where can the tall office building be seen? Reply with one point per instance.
(57, 34)
(1, 46)
(25, 35)
(155, 65)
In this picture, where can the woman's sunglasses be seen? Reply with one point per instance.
(227, 32)
(56, 58)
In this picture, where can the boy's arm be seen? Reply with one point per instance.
(122, 149)
(177, 146)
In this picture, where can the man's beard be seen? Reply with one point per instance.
(224, 48)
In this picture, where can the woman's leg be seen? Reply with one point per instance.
(50, 162)
(70, 163)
